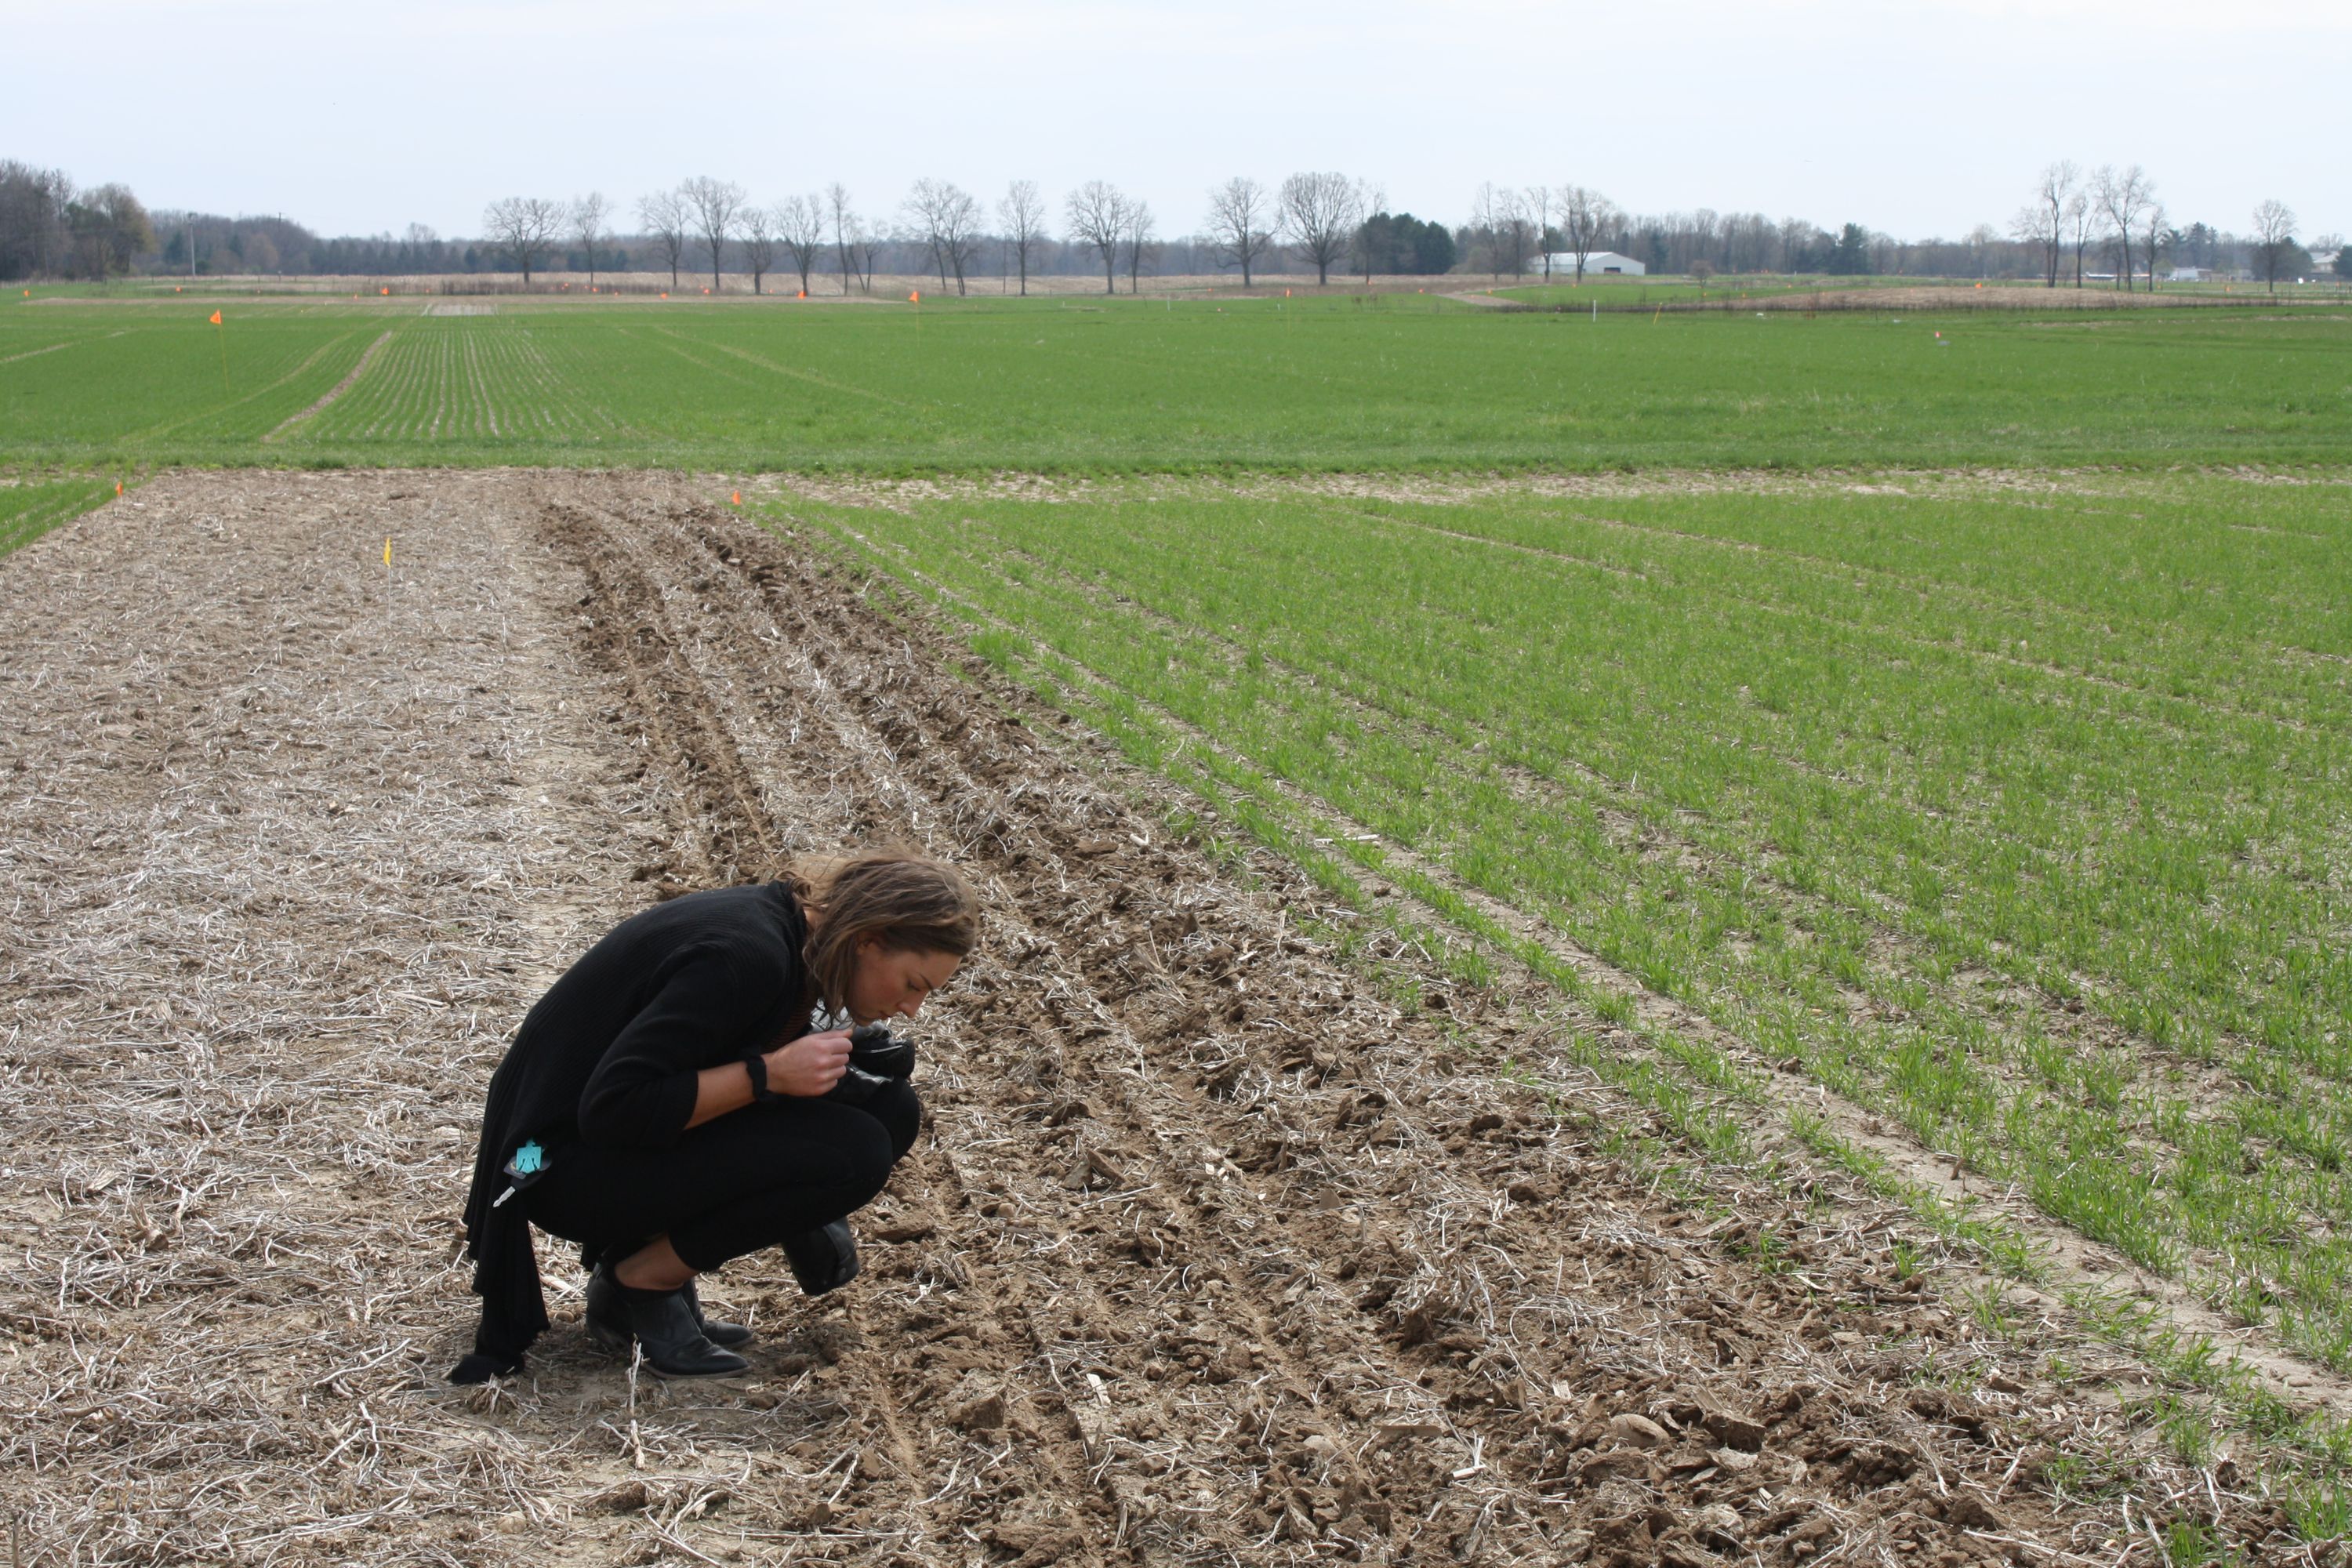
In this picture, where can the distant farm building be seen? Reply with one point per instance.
(1598, 263)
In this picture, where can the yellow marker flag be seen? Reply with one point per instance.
(388, 549)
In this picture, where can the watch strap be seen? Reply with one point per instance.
(756, 1065)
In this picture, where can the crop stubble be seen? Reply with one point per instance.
(1206, 1253)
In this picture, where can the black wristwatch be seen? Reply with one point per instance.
(756, 1066)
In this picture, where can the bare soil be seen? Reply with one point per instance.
(1207, 1253)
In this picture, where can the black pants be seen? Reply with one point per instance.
(732, 1185)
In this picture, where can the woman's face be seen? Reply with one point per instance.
(891, 983)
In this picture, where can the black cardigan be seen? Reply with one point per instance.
(609, 1056)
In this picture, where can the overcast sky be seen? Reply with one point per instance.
(1917, 119)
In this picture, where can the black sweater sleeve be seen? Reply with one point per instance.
(642, 1094)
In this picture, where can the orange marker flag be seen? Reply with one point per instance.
(736, 497)
(804, 294)
(914, 297)
(216, 320)
(664, 293)
(386, 290)
(117, 487)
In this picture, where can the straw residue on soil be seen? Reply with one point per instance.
(1206, 1253)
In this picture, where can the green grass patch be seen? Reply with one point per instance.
(31, 506)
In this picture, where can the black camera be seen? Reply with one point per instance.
(876, 1059)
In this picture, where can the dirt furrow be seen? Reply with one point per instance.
(919, 730)
(1112, 1144)
(933, 1419)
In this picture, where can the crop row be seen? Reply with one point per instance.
(133, 382)
(478, 381)
(2074, 919)
(1125, 383)
(30, 507)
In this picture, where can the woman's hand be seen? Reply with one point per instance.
(811, 1065)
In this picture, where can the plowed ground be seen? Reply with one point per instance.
(1207, 1253)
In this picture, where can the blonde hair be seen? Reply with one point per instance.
(908, 902)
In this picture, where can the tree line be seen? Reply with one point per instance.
(1329, 220)
(2115, 215)
(50, 227)
(2102, 227)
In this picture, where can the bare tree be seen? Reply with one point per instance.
(2274, 239)
(800, 224)
(959, 232)
(1584, 215)
(845, 229)
(865, 244)
(1372, 198)
(523, 229)
(2082, 218)
(1097, 216)
(1499, 212)
(715, 206)
(1240, 224)
(946, 219)
(2122, 196)
(1539, 199)
(1319, 216)
(2151, 228)
(2042, 222)
(1141, 244)
(1022, 210)
(1483, 222)
(1240, 215)
(757, 229)
(664, 216)
(591, 227)
(921, 212)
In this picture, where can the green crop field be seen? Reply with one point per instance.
(2012, 809)
(1401, 380)
(31, 506)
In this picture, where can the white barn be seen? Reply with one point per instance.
(1600, 263)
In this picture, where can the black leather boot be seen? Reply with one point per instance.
(606, 1308)
(661, 1322)
(726, 1336)
(824, 1260)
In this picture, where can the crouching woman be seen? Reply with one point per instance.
(686, 1093)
